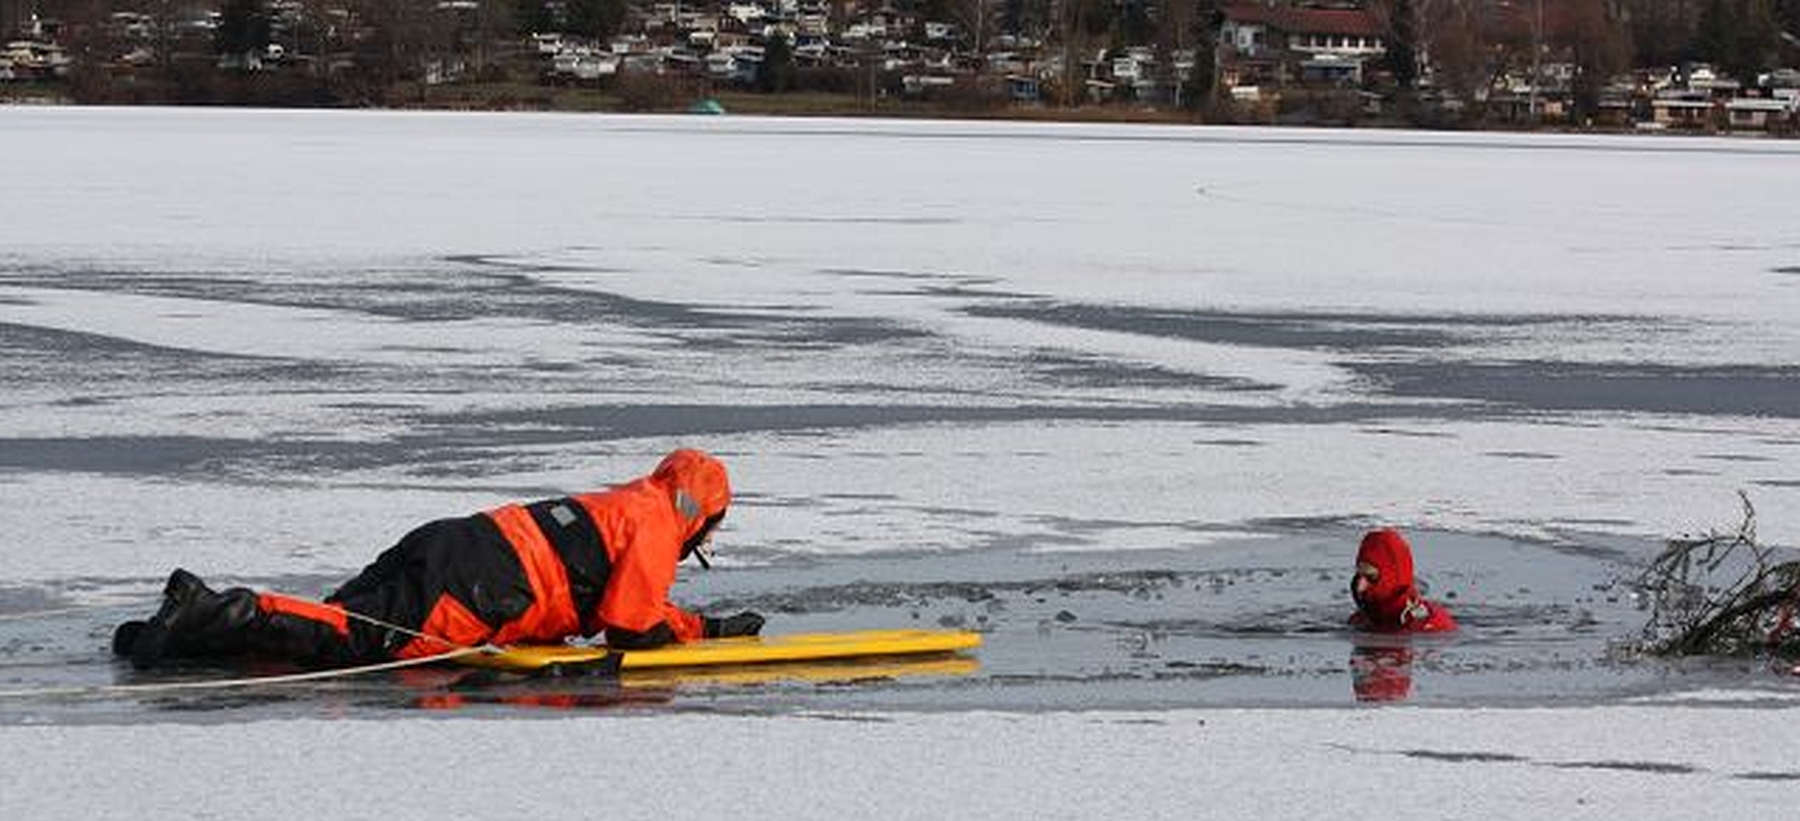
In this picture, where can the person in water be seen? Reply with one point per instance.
(1388, 604)
(518, 574)
(1387, 598)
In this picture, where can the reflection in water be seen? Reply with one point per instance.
(838, 672)
(452, 688)
(449, 689)
(280, 688)
(1381, 672)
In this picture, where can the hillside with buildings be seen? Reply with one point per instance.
(1705, 65)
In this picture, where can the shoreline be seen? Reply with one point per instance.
(534, 99)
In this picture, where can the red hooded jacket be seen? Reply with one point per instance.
(1392, 603)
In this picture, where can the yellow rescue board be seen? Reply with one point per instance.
(750, 650)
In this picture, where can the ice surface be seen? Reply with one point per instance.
(1600, 763)
(734, 254)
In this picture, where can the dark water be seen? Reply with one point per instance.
(1250, 623)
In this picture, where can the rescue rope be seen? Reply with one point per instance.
(483, 648)
(348, 613)
(253, 681)
(457, 650)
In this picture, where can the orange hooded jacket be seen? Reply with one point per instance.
(644, 526)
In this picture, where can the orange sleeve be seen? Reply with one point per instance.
(636, 591)
(687, 626)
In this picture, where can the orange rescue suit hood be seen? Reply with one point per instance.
(698, 487)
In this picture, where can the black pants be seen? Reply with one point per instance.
(465, 559)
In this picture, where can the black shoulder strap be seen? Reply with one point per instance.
(571, 533)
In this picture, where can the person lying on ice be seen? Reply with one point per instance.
(1386, 599)
(534, 573)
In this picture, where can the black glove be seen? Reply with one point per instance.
(742, 624)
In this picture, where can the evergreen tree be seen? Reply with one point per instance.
(243, 28)
(1742, 38)
(1027, 17)
(777, 72)
(939, 11)
(1759, 40)
(1718, 20)
(1095, 17)
(599, 19)
(1208, 19)
(1662, 33)
(1135, 25)
(1194, 24)
(535, 17)
(1596, 44)
(1403, 44)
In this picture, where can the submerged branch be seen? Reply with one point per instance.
(1722, 593)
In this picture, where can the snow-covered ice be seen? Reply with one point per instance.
(263, 344)
(1604, 763)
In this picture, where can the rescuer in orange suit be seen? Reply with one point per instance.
(522, 573)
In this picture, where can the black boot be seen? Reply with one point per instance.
(193, 622)
(131, 635)
(126, 635)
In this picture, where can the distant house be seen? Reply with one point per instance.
(1760, 113)
(1342, 33)
(747, 14)
(921, 85)
(738, 65)
(583, 63)
(1249, 46)
(1698, 97)
(35, 60)
(1706, 81)
(936, 32)
(1681, 110)
(1136, 70)
(1263, 44)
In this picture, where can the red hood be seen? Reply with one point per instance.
(1386, 600)
(698, 485)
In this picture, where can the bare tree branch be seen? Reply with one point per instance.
(1722, 593)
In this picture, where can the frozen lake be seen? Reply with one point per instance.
(1121, 397)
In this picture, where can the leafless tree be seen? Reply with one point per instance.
(1457, 46)
(396, 38)
(1596, 43)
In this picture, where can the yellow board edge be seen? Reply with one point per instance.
(748, 650)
